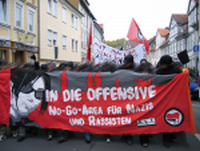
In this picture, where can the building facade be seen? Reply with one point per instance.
(177, 41)
(152, 51)
(18, 30)
(60, 32)
(193, 33)
(155, 45)
(98, 31)
(87, 21)
(183, 35)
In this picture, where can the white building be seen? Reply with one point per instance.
(193, 33)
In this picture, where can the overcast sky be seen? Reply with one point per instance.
(150, 15)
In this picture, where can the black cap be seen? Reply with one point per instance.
(128, 59)
(166, 59)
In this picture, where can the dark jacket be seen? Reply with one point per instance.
(169, 70)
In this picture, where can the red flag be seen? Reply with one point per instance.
(89, 44)
(135, 34)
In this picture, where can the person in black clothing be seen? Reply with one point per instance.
(130, 65)
(64, 135)
(146, 68)
(167, 66)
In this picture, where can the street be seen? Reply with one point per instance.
(183, 142)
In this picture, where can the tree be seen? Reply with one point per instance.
(117, 43)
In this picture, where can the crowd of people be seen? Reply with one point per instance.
(164, 66)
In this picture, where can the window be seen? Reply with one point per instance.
(18, 15)
(76, 22)
(54, 8)
(3, 10)
(49, 37)
(64, 42)
(72, 20)
(64, 10)
(30, 21)
(31, 18)
(54, 38)
(76, 45)
(72, 44)
(49, 6)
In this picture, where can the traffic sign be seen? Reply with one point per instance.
(196, 48)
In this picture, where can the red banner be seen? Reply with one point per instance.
(150, 109)
(122, 102)
(4, 96)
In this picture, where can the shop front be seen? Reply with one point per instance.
(17, 52)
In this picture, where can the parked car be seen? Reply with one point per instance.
(194, 89)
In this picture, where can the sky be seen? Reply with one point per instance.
(116, 15)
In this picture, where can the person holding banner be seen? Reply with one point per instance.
(166, 66)
(146, 68)
(129, 65)
(3, 65)
(64, 135)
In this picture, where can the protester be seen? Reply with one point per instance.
(3, 65)
(28, 90)
(130, 65)
(51, 66)
(167, 66)
(146, 68)
(86, 67)
(107, 67)
(64, 135)
(66, 66)
(181, 67)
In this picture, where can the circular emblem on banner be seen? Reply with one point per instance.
(139, 35)
(174, 117)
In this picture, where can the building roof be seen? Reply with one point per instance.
(101, 25)
(98, 27)
(180, 18)
(86, 1)
(163, 32)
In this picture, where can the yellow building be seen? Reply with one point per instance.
(18, 30)
(59, 32)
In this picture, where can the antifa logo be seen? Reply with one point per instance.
(174, 117)
(139, 35)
